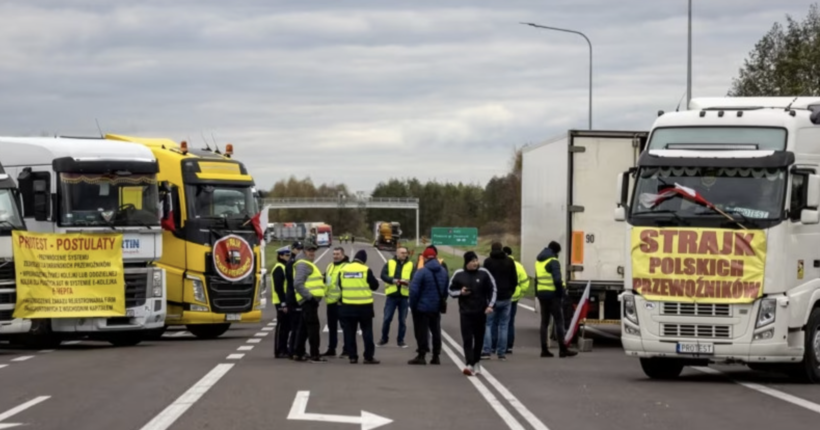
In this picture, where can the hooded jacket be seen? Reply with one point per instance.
(428, 286)
(504, 273)
(554, 267)
(482, 290)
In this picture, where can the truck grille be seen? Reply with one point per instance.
(136, 289)
(6, 315)
(695, 309)
(8, 289)
(228, 296)
(698, 331)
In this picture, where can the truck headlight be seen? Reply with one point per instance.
(199, 289)
(630, 310)
(767, 312)
(156, 284)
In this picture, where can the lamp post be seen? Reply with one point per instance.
(544, 27)
(689, 60)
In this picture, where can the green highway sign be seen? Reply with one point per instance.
(454, 236)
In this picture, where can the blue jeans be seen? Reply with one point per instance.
(510, 331)
(498, 323)
(390, 306)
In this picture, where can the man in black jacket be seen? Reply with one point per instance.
(294, 309)
(475, 289)
(357, 306)
(503, 270)
(549, 289)
(280, 343)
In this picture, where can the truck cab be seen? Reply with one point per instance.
(722, 229)
(10, 219)
(78, 185)
(212, 254)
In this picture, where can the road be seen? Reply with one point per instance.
(182, 383)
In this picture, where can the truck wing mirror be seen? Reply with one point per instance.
(810, 216)
(813, 191)
(620, 214)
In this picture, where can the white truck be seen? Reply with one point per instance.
(566, 197)
(722, 230)
(78, 185)
(10, 219)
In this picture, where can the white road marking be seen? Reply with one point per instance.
(254, 340)
(267, 328)
(323, 254)
(261, 334)
(527, 307)
(235, 356)
(178, 334)
(3, 365)
(502, 412)
(366, 420)
(23, 358)
(175, 410)
(17, 409)
(797, 401)
(505, 393)
(71, 342)
(273, 324)
(245, 348)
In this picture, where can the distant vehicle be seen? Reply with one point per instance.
(324, 236)
(387, 235)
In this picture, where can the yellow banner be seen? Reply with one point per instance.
(698, 264)
(68, 275)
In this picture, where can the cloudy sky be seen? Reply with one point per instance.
(358, 91)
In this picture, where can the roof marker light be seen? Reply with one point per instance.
(184, 147)
(702, 113)
(229, 150)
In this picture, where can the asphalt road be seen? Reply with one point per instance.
(182, 383)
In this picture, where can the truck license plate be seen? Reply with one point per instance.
(233, 317)
(695, 348)
(130, 313)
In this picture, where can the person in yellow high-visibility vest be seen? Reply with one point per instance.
(396, 276)
(520, 289)
(549, 288)
(332, 297)
(357, 284)
(309, 286)
(279, 297)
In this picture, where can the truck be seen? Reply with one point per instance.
(11, 218)
(211, 251)
(386, 235)
(324, 235)
(564, 198)
(93, 185)
(721, 229)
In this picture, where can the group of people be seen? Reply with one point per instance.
(487, 298)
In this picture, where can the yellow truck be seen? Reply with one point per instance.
(211, 250)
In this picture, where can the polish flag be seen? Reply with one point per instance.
(260, 223)
(579, 315)
(652, 200)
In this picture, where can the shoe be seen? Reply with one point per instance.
(371, 361)
(567, 353)
(402, 345)
(281, 356)
(301, 359)
(486, 355)
(545, 353)
(329, 353)
(318, 359)
(509, 350)
(502, 358)
(354, 361)
(419, 360)
(468, 371)
(344, 354)
(382, 343)
(435, 360)
(477, 369)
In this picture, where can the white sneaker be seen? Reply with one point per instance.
(468, 371)
(477, 370)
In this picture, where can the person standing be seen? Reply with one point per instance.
(357, 283)
(294, 309)
(332, 299)
(506, 279)
(280, 343)
(475, 289)
(396, 275)
(428, 291)
(520, 289)
(549, 288)
(310, 288)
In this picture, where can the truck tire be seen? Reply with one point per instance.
(808, 371)
(208, 331)
(125, 339)
(661, 368)
(40, 336)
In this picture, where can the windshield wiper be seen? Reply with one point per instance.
(663, 211)
(7, 223)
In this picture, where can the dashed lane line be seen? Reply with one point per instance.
(3, 365)
(235, 356)
(22, 358)
(245, 348)
(261, 334)
(254, 340)
(797, 401)
(267, 328)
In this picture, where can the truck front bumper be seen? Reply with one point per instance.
(15, 326)
(149, 316)
(191, 317)
(769, 352)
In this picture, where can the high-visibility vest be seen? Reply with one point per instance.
(406, 271)
(544, 278)
(353, 281)
(315, 284)
(333, 292)
(276, 299)
(523, 281)
(421, 262)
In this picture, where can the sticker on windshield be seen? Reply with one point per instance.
(748, 213)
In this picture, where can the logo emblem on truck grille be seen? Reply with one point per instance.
(233, 258)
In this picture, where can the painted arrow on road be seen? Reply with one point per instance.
(16, 410)
(367, 420)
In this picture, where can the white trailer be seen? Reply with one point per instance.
(567, 196)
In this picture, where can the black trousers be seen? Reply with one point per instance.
(473, 327)
(309, 329)
(295, 317)
(423, 323)
(351, 324)
(552, 307)
(333, 323)
(280, 343)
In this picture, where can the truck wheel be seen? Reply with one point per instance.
(808, 371)
(40, 336)
(208, 331)
(660, 368)
(125, 339)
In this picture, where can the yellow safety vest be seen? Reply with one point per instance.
(544, 278)
(406, 270)
(276, 299)
(421, 262)
(523, 282)
(353, 280)
(315, 284)
(333, 292)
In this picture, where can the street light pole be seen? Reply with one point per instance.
(689, 60)
(544, 27)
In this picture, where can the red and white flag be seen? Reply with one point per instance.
(579, 315)
(652, 200)
(260, 223)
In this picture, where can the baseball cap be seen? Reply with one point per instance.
(429, 253)
(297, 245)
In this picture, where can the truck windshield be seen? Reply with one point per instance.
(221, 201)
(9, 215)
(97, 199)
(745, 194)
(764, 138)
